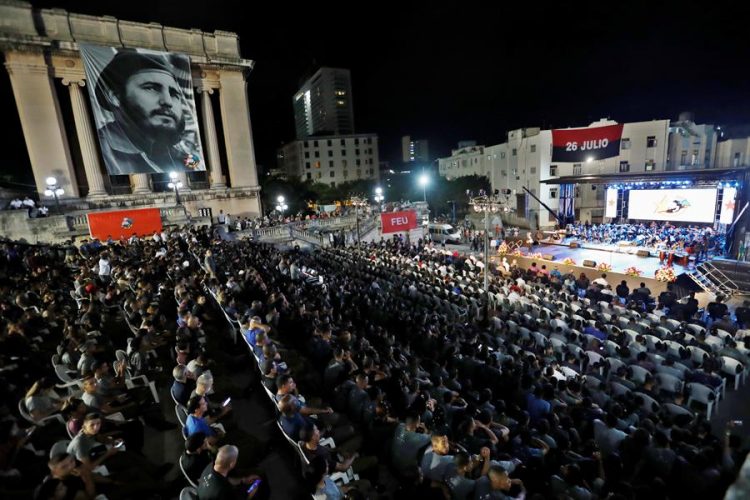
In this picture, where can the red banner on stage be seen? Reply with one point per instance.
(124, 223)
(393, 222)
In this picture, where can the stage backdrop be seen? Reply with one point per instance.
(124, 223)
(394, 222)
(679, 205)
(144, 110)
(577, 145)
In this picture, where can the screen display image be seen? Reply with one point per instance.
(678, 205)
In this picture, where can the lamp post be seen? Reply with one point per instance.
(357, 201)
(53, 190)
(495, 203)
(379, 197)
(281, 205)
(175, 184)
(424, 180)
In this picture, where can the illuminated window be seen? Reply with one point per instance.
(340, 102)
(650, 165)
(317, 164)
(624, 166)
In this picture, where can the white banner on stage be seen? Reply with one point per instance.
(728, 203)
(611, 208)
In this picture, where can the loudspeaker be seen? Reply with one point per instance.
(589, 263)
(643, 253)
(573, 244)
(547, 256)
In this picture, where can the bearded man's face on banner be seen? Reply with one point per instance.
(153, 101)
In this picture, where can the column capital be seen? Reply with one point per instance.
(205, 88)
(68, 81)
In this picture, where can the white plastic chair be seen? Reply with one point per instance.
(697, 354)
(733, 368)
(649, 404)
(187, 478)
(702, 394)
(668, 382)
(188, 493)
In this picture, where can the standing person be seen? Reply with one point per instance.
(147, 129)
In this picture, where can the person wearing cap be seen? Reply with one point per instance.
(147, 102)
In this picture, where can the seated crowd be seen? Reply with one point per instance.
(411, 381)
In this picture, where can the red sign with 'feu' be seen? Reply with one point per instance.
(394, 222)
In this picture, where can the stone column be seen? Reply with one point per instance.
(41, 121)
(215, 177)
(238, 135)
(140, 183)
(86, 139)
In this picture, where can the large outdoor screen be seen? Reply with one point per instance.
(679, 205)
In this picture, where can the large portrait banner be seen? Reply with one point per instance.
(143, 109)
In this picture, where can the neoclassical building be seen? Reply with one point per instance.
(41, 49)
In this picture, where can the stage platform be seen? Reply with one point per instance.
(606, 253)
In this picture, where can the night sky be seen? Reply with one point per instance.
(468, 71)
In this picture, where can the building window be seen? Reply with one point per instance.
(513, 152)
(344, 163)
(532, 170)
(651, 141)
(359, 173)
(330, 153)
(315, 144)
(307, 154)
(683, 157)
(359, 162)
(332, 173)
(532, 149)
(650, 165)
(307, 164)
(578, 192)
(553, 170)
(694, 158)
(356, 152)
(624, 166)
(309, 176)
(346, 174)
(343, 142)
(356, 142)
(330, 163)
(576, 169)
(317, 154)
(330, 143)
(317, 164)
(625, 143)
(553, 193)
(318, 175)
(502, 155)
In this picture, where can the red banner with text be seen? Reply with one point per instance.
(579, 145)
(124, 223)
(394, 222)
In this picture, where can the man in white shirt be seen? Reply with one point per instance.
(602, 281)
(105, 268)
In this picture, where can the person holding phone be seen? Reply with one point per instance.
(216, 483)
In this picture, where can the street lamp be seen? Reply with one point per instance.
(53, 190)
(175, 184)
(357, 201)
(281, 205)
(379, 197)
(494, 203)
(424, 180)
